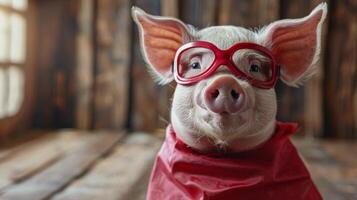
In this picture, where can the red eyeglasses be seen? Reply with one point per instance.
(198, 60)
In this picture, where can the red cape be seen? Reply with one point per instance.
(274, 171)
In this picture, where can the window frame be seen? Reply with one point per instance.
(22, 119)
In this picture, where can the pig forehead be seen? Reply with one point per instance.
(225, 36)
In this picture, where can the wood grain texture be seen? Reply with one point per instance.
(332, 166)
(58, 175)
(55, 63)
(205, 12)
(112, 68)
(84, 65)
(14, 144)
(113, 177)
(25, 160)
(83, 172)
(248, 13)
(340, 91)
(170, 8)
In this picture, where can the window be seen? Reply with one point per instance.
(12, 55)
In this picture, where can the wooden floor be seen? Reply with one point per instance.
(333, 165)
(73, 165)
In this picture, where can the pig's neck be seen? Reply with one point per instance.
(204, 144)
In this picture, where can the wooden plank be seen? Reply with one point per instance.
(334, 177)
(248, 13)
(13, 144)
(29, 158)
(268, 12)
(340, 91)
(139, 189)
(55, 63)
(199, 13)
(116, 176)
(57, 176)
(345, 179)
(113, 38)
(342, 150)
(170, 8)
(121, 62)
(318, 162)
(19, 164)
(85, 65)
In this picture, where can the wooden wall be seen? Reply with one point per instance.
(340, 80)
(56, 61)
(93, 75)
(112, 51)
(83, 64)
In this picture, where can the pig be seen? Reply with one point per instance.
(225, 112)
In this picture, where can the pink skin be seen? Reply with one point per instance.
(223, 111)
(223, 96)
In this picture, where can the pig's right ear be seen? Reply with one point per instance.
(160, 37)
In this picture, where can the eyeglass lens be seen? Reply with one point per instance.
(254, 64)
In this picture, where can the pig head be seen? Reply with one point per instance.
(225, 111)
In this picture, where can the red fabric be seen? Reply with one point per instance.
(272, 171)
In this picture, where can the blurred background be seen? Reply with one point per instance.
(77, 64)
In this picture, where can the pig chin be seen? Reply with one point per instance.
(229, 132)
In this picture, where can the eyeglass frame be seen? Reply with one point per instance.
(225, 57)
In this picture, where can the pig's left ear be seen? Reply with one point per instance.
(160, 37)
(295, 43)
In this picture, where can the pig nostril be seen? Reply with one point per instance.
(215, 94)
(234, 94)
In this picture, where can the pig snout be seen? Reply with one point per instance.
(223, 96)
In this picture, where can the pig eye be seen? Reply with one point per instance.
(195, 65)
(253, 63)
(254, 68)
(194, 61)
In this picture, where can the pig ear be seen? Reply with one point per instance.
(295, 43)
(160, 37)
